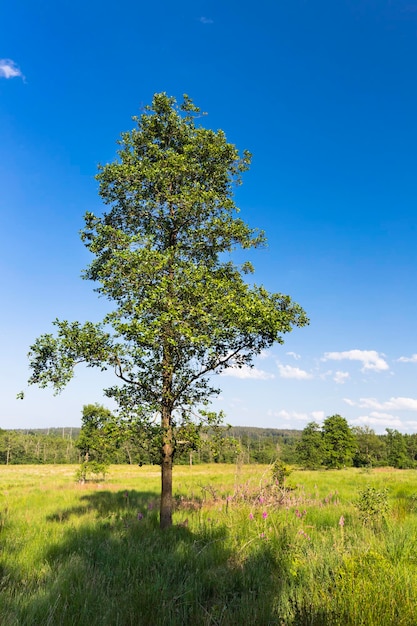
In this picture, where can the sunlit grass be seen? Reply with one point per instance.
(242, 550)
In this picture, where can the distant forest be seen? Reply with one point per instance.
(312, 448)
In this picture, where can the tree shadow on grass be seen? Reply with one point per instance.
(108, 504)
(121, 570)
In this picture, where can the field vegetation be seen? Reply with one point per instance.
(249, 545)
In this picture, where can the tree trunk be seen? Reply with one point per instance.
(168, 447)
(166, 470)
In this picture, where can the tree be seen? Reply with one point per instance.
(310, 449)
(397, 449)
(99, 435)
(370, 449)
(339, 442)
(411, 445)
(181, 309)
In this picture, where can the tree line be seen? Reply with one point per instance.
(100, 440)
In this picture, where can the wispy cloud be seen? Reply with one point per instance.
(297, 415)
(264, 354)
(294, 354)
(289, 415)
(247, 372)
(317, 415)
(9, 69)
(393, 404)
(206, 20)
(287, 371)
(408, 359)
(382, 416)
(370, 359)
(389, 421)
(341, 377)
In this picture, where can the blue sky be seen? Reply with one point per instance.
(324, 94)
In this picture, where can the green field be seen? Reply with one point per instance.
(243, 550)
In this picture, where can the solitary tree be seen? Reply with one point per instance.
(310, 449)
(396, 449)
(339, 442)
(181, 308)
(98, 436)
(370, 448)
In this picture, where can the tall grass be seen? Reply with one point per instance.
(242, 551)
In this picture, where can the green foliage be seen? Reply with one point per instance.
(99, 435)
(373, 505)
(370, 448)
(310, 449)
(20, 447)
(180, 310)
(397, 450)
(339, 442)
(280, 472)
(91, 469)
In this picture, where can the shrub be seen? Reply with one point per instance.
(90, 469)
(373, 505)
(280, 472)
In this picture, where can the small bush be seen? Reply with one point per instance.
(280, 472)
(373, 505)
(91, 470)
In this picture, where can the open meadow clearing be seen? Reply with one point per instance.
(243, 550)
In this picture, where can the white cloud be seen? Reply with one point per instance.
(206, 20)
(294, 354)
(369, 420)
(317, 415)
(297, 415)
(382, 416)
(264, 354)
(286, 371)
(289, 415)
(325, 375)
(370, 359)
(9, 69)
(247, 372)
(393, 404)
(341, 377)
(408, 359)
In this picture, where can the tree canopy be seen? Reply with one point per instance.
(181, 309)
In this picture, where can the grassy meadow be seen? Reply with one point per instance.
(243, 550)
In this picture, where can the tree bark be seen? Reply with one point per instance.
(166, 471)
(168, 446)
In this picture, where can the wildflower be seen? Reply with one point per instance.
(264, 514)
(342, 521)
(250, 515)
(262, 536)
(303, 534)
(261, 499)
(140, 516)
(297, 513)
(150, 506)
